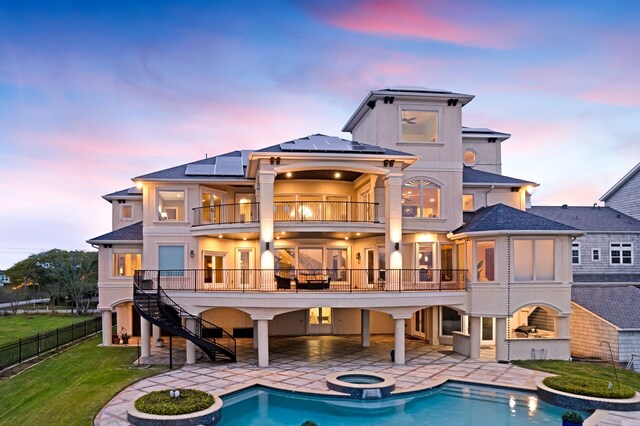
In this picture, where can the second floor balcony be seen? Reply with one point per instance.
(288, 211)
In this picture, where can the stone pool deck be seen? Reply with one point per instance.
(302, 363)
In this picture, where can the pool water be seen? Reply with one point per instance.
(360, 379)
(449, 405)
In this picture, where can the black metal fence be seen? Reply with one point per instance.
(23, 349)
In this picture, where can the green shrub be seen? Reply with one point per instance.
(160, 402)
(588, 387)
(573, 417)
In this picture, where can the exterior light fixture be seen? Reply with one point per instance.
(358, 257)
(219, 236)
(139, 185)
(337, 175)
(289, 174)
(397, 246)
(346, 238)
(244, 239)
(357, 233)
(268, 245)
(530, 189)
(191, 253)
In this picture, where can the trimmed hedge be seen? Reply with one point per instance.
(588, 387)
(160, 402)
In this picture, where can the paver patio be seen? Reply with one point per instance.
(301, 363)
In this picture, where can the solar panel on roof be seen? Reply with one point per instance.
(229, 166)
(200, 170)
(324, 143)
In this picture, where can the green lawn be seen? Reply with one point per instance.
(16, 327)
(71, 387)
(585, 369)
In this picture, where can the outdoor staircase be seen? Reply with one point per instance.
(154, 305)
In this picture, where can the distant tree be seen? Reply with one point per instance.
(77, 274)
(13, 295)
(34, 271)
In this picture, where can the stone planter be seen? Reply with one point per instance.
(210, 416)
(586, 403)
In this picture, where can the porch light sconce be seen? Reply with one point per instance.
(191, 253)
(268, 245)
(397, 246)
(358, 257)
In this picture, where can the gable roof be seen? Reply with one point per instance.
(620, 183)
(129, 193)
(590, 219)
(483, 131)
(208, 168)
(616, 304)
(131, 233)
(323, 143)
(500, 217)
(478, 177)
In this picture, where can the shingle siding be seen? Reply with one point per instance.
(627, 198)
(587, 331)
(601, 241)
(629, 344)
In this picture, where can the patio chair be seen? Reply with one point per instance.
(283, 283)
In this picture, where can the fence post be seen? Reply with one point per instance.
(19, 351)
(38, 344)
(85, 329)
(57, 338)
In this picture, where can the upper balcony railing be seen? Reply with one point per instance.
(226, 213)
(325, 211)
(288, 211)
(306, 280)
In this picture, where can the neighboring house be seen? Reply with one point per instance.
(408, 229)
(4, 279)
(624, 196)
(606, 272)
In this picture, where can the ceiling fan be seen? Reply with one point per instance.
(411, 120)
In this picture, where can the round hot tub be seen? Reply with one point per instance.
(362, 384)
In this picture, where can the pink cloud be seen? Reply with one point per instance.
(417, 20)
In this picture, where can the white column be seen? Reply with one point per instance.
(107, 329)
(399, 340)
(155, 330)
(501, 342)
(475, 335)
(266, 178)
(563, 326)
(365, 327)
(255, 334)
(393, 228)
(145, 336)
(263, 343)
(191, 347)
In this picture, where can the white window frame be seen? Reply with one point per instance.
(621, 247)
(437, 184)
(185, 195)
(473, 195)
(533, 259)
(119, 250)
(132, 212)
(417, 108)
(475, 155)
(593, 255)
(579, 248)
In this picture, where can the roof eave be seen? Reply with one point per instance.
(362, 109)
(102, 242)
(122, 197)
(621, 182)
(243, 180)
(480, 184)
(453, 236)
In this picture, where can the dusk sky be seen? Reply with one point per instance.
(95, 93)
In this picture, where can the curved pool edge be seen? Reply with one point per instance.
(588, 403)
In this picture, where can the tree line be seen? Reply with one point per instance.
(63, 275)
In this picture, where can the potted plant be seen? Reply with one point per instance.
(124, 337)
(571, 418)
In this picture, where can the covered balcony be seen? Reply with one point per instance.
(288, 211)
(305, 280)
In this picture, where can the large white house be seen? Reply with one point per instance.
(408, 229)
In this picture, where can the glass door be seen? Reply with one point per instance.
(369, 257)
(213, 269)
(488, 328)
(446, 262)
(320, 321)
(425, 263)
(211, 208)
(245, 270)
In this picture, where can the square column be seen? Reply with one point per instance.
(107, 329)
(393, 229)
(501, 340)
(191, 347)
(266, 179)
(255, 334)
(475, 335)
(263, 342)
(399, 346)
(365, 327)
(155, 330)
(145, 336)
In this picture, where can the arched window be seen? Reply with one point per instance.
(420, 198)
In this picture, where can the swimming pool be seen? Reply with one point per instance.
(451, 404)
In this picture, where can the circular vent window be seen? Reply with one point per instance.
(470, 158)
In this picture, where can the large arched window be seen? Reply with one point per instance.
(420, 198)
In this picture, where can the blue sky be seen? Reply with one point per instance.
(94, 93)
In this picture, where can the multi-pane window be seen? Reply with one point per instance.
(595, 255)
(485, 258)
(420, 126)
(575, 253)
(533, 260)
(420, 199)
(126, 212)
(621, 253)
(125, 264)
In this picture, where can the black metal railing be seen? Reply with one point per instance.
(303, 280)
(325, 211)
(288, 211)
(226, 214)
(33, 346)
